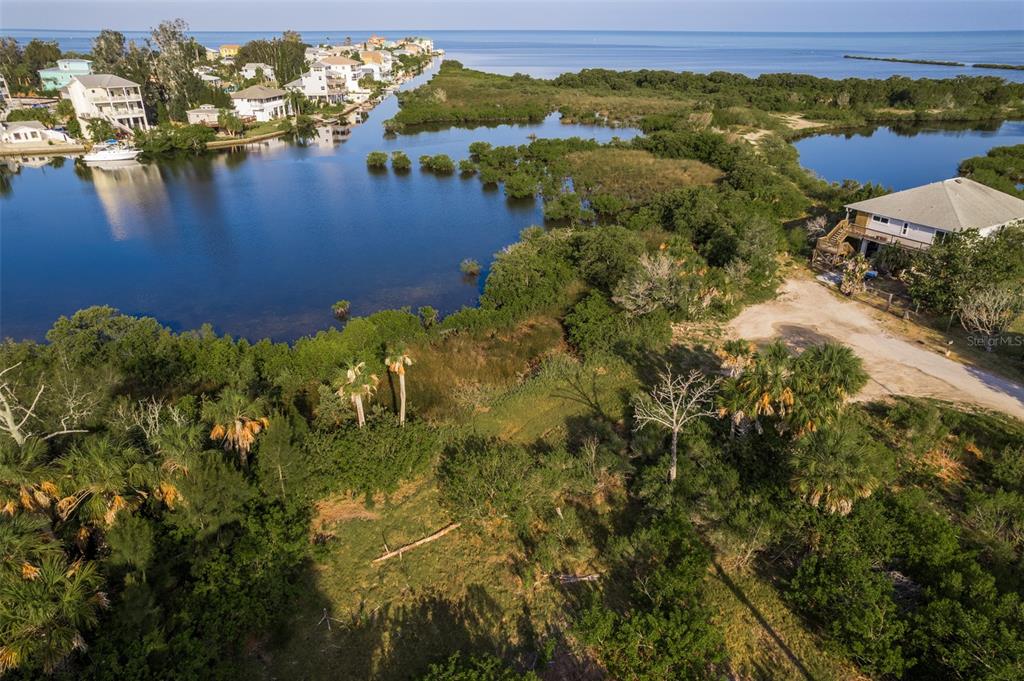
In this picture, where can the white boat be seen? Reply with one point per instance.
(111, 150)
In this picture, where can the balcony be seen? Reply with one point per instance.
(865, 232)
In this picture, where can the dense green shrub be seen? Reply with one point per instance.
(399, 161)
(531, 275)
(477, 668)
(377, 159)
(664, 631)
(372, 459)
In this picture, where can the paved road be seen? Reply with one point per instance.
(805, 312)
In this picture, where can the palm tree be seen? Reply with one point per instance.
(103, 478)
(766, 383)
(824, 377)
(44, 612)
(356, 384)
(236, 420)
(733, 403)
(836, 465)
(26, 479)
(736, 355)
(397, 361)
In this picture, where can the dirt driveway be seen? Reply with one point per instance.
(805, 312)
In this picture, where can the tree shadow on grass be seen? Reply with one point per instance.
(389, 642)
(762, 621)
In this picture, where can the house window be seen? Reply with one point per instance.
(879, 218)
(906, 228)
(940, 237)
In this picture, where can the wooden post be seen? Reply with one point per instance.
(888, 303)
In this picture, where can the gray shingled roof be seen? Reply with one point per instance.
(104, 80)
(258, 92)
(950, 205)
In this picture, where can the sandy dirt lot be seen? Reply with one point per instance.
(805, 312)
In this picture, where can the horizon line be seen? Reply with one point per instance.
(513, 30)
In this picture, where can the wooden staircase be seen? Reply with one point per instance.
(831, 249)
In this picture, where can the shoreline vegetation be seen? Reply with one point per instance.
(620, 471)
(460, 96)
(935, 62)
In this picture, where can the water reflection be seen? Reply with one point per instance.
(132, 195)
(262, 239)
(905, 155)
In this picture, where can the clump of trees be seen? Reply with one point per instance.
(400, 161)
(949, 273)
(377, 159)
(166, 140)
(442, 164)
(1001, 168)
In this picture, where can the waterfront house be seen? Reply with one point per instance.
(57, 77)
(425, 43)
(229, 51)
(380, 61)
(105, 96)
(346, 69)
(411, 48)
(261, 103)
(917, 218)
(206, 114)
(212, 54)
(5, 95)
(254, 69)
(31, 133)
(319, 84)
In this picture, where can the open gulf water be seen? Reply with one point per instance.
(260, 242)
(549, 53)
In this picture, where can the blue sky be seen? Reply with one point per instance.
(697, 15)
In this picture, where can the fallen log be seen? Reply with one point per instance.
(419, 542)
(574, 579)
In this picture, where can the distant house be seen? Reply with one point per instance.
(5, 95)
(380, 61)
(59, 76)
(229, 51)
(108, 97)
(30, 133)
(212, 54)
(211, 80)
(376, 41)
(319, 84)
(919, 217)
(261, 103)
(346, 69)
(206, 114)
(425, 44)
(412, 48)
(253, 69)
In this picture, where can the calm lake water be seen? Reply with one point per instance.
(549, 53)
(902, 157)
(260, 242)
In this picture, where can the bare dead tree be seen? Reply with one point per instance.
(72, 401)
(989, 311)
(674, 402)
(149, 416)
(815, 227)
